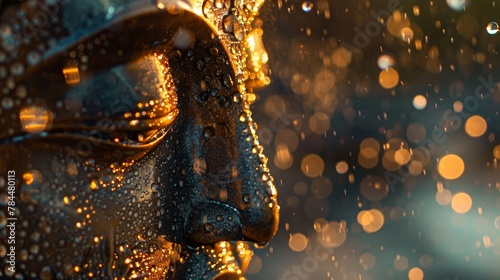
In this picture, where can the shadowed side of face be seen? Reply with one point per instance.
(133, 149)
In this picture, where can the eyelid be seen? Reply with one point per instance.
(124, 42)
(129, 105)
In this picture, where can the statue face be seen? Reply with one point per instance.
(129, 140)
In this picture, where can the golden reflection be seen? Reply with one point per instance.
(72, 75)
(35, 119)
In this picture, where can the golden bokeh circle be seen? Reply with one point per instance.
(451, 167)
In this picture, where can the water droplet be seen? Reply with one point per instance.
(208, 227)
(214, 51)
(228, 81)
(206, 7)
(492, 28)
(46, 273)
(243, 117)
(208, 132)
(21, 92)
(7, 103)
(33, 57)
(307, 6)
(219, 218)
(34, 249)
(236, 97)
(260, 245)
(224, 101)
(17, 69)
(265, 177)
(35, 236)
(155, 188)
(94, 185)
(247, 198)
(219, 4)
(199, 65)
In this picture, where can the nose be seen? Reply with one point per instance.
(234, 195)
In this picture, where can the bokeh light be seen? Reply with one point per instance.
(475, 126)
(419, 102)
(371, 220)
(416, 273)
(388, 78)
(312, 165)
(451, 167)
(461, 203)
(342, 167)
(298, 242)
(35, 119)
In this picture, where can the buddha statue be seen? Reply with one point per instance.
(127, 147)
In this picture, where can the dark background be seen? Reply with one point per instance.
(456, 50)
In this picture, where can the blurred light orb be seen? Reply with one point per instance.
(369, 148)
(312, 165)
(35, 119)
(385, 61)
(342, 167)
(307, 6)
(400, 263)
(374, 188)
(426, 260)
(334, 234)
(497, 222)
(255, 265)
(458, 106)
(415, 274)
(419, 102)
(461, 203)
(451, 167)
(388, 78)
(371, 220)
(297, 242)
(367, 261)
(283, 159)
(444, 197)
(475, 126)
(492, 28)
(457, 5)
(496, 152)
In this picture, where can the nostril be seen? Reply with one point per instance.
(213, 222)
